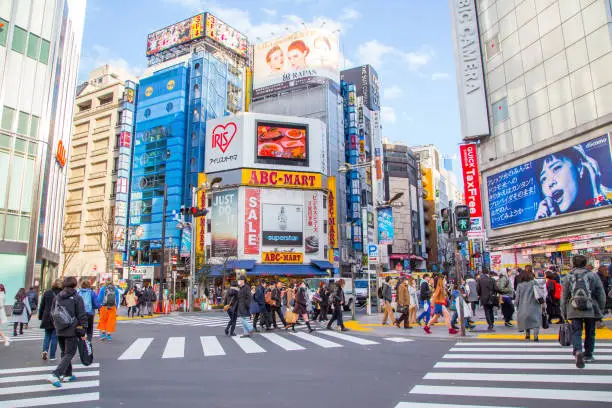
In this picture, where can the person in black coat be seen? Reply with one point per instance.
(336, 298)
(244, 304)
(44, 315)
(278, 303)
(68, 336)
(301, 302)
(487, 291)
(231, 302)
(260, 298)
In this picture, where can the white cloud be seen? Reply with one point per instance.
(393, 92)
(346, 63)
(439, 76)
(269, 12)
(100, 55)
(388, 114)
(373, 52)
(417, 59)
(349, 13)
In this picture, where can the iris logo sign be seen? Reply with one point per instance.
(223, 136)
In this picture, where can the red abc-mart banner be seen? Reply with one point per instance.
(471, 181)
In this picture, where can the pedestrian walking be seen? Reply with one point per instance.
(108, 298)
(131, 300)
(3, 318)
(49, 346)
(276, 307)
(149, 298)
(300, 307)
(414, 301)
(529, 316)
(322, 299)
(507, 294)
(582, 302)
(244, 303)
(403, 304)
(387, 297)
(487, 293)
(604, 277)
(337, 300)
(32, 296)
(425, 295)
(70, 320)
(258, 307)
(553, 298)
(472, 293)
(230, 305)
(21, 311)
(90, 300)
(439, 300)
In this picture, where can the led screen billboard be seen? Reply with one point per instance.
(175, 34)
(224, 220)
(574, 179)
(279, 143)
(225, 35)
(385, 226)
(282, 225)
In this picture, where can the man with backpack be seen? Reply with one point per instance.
(424, 296)
(70, 321)
(582, 302)
(108, 299)
(505, 289)
(90, 300)
(385, 293)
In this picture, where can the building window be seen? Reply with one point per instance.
(19, 39)
(44, 51)
(3, 31)
(33, 46)
(193, 164)
(8, 115)
(34, 127)
(147, 113)
(84, 106)
(169, 107)
(196, 91)
(22, 123)
(493, 47)
(105, 99)
(325, 226)
(500, 110)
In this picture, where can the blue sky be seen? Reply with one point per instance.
(408, 42)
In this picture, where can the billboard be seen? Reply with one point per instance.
(225, 35)
(295, 59)
(574, 179)
(282, 225)
(312, 227)
(186, 242)
(224, 224)
(332, 214)
(366, 83)
(282, 144)
(282, 179)
(252, 220)
(200, 224)
(224, 145)
(471, 183)
(385, 226)
(175, 34)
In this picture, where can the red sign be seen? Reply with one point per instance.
(222, 135)
(471, 181)
(125, 139)
(252, 221)
(60, 154)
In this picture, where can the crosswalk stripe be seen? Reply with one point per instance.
(211, 346)
(37, 377)
(545, 378)
(523, 366)
(523, 350)
(54, 400)
(24, 389)
(316, 340)
(516, 357)
(346, 337)
(248, 345)
(430, 405)
(43, 368)
(398, 339)
(524, 393)
(282, 342)
(175, 348)
(520, 343)
(137, 349)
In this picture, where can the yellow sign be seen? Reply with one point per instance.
(283, 179)
(566, 246)
(428, 184)
(332, 215)
(149, 91)
(170, 85)
(282, 257)
(200, 224)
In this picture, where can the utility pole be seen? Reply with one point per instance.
(192, 255)
(162, 269)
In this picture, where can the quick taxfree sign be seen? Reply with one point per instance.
(471, 182)
(283, 179)
(282, 257)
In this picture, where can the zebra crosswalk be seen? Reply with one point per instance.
(471, 374)
(208, 320)
(32, 334)
(28, 387)
(215, 346)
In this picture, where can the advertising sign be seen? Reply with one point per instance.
(175, 34)
(470, 78)
(225, 35)
(282, 257)
(471, 183)
(282, 225)
(385, 226)
(332, 214)
(373, 253)
(142, 272)
(282, 144)
(186, 242)
(224, 219)
(294, 59)
(60, 154)
(365, 80)
(200, 224)
(574, 179)
(223, 146)
(312, 228)
(252, 221)
(282, 179)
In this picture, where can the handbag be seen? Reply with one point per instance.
(566, 332)
(85, 351)
(290, 317)
(402, 309)
(18, 308)
(226, 308)
(545, 324)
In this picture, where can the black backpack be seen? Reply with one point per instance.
(18, 308)
(61, 316)
(580, 292)
(380, 291)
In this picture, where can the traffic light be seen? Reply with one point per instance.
(447, 224)
(462, 217)
(194, 211)
(133, 248)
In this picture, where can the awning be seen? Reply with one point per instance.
(322, 264)
(229, 266)
(273, 270)
(241, 264)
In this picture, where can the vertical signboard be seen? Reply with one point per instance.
(332, 214)
(200, 224)
(224, 219)
(311, 227)
(186, 242)
(471, 184)
(252, 221)
(470, 78)
(385, 226)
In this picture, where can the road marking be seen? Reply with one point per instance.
(317, 340)
(248, 345)
(24, 389)
(175, 348)
(428, 405)
(36, 377)
(523, 349)
(516, 357)
(544, 378)
(526, 393)
(43, 368)
(520, 343)
(137, 349)
(346, 337)
(282, 342)
(398, 339)
(523, 366)
(211, 346)
(46, 401)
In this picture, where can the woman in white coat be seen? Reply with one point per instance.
(3, 318)
(21, 312)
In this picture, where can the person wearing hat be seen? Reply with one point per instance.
(244, 304)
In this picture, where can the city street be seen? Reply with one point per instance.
(186, 359)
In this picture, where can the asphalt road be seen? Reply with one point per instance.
(187, 360)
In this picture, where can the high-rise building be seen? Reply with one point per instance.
(535, 90)
(40, 46)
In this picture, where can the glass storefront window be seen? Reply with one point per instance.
(7, 118)
(12, 227)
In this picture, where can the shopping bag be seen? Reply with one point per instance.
(85, 351)
(290, 317)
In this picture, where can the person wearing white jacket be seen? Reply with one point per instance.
(3, 318)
